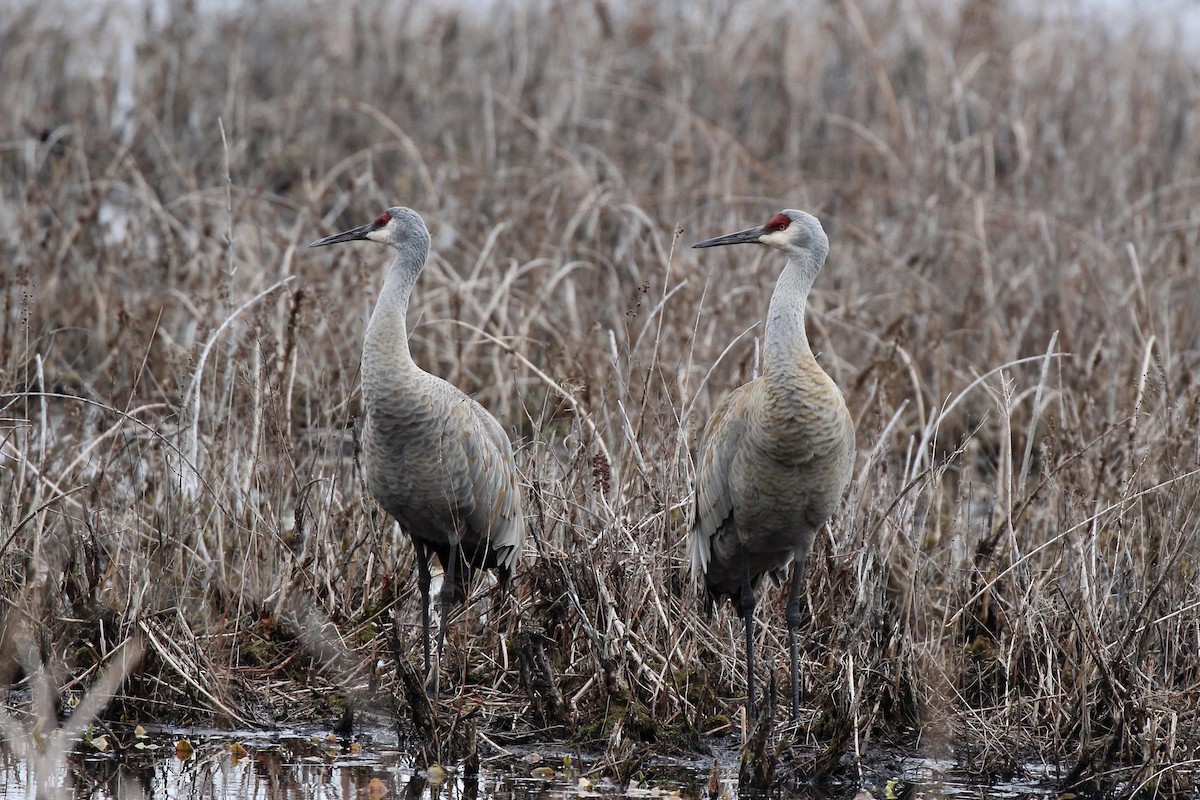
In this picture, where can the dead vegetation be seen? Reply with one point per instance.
(1010, 307)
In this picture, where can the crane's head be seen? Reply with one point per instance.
(398, 227)
(794, 232)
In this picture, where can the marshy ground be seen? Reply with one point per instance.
(1009, 306)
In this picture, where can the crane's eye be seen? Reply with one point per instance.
(383, 219)
(778, 223)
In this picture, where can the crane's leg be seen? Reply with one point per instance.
(449, 585)
(423, 585)
(794, 618)
(746, 610)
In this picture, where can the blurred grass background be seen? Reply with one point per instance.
(1010, 307)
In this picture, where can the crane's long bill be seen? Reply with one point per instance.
(748, 236)
(352, 235)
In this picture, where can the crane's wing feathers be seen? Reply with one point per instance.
(492, 507)
(712, 508)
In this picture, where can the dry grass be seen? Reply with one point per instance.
(1010, 307)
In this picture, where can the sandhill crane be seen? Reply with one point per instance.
(777, 453)
(436, 460)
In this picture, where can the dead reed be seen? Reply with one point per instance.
(1010, 306)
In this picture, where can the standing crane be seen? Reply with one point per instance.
(777, 454)
(436, 460)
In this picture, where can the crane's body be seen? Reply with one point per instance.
(441, 466)
(778, 452)
(772, 472)
(436, 460)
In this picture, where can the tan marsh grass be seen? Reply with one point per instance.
(1010, 307)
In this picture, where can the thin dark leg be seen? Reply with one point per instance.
(423, 584)
(448, 592)
(793, 617)
(746, 609)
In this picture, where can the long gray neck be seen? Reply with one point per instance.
(386, 340)
(786, 343)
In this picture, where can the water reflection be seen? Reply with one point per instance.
(224, 766)
(234, 765)
(229, 765)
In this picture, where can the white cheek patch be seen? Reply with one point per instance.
(776, 239)
(379, 235)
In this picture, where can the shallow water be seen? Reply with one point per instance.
(228, 765)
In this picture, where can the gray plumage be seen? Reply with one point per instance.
(778, 453)
(436, 460)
